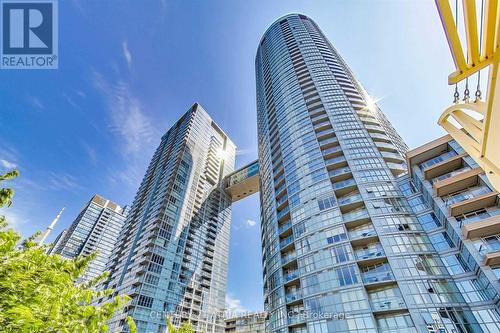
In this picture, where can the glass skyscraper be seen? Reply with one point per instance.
(171, 255)
(95, 229)
(343, 250)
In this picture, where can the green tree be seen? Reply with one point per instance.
(38, 291)
(186, 327)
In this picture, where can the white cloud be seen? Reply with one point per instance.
(8, 165)
(234, 306)
(250, 223)
(127, 118)
(246, 151)
(126, 53)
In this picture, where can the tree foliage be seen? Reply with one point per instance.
(186, 327)
(38, 292)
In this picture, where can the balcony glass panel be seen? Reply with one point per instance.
(437, 159)
(466, 194)
(377, 273)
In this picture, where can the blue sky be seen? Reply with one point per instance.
(129, 69)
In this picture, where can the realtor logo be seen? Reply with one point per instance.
(29, 34)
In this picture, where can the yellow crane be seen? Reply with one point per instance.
(475, 125)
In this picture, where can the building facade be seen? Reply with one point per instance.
(96, 229)
(249, 323)
(171, 256)
(343, 250)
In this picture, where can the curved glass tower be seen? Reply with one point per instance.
(342, 249)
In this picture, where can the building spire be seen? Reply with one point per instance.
(50, 227)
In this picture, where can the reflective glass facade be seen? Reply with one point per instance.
(343, 249)
(96, 229)
(171, 255)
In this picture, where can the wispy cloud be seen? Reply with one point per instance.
(127, 117)
(233, 305)
(7, 165)
(91, 153)
(126, 53)
(250, 223)
(63, 181)
(36, 103)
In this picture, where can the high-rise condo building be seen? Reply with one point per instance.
(343, 250)
(247, 323)
(171, 256)
(95, 229)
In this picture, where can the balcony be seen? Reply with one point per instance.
(286, 227)
(438, 159)
(380, 137)
(382, 146)
(293, 297)
(443, 167)
(296, 320)
(392, 157)
(457, 182)
(329, 142)
(484, 225)
(356, 217)
(288, 257)
(370, 254)
(283, 215)
(396, 168)
(291, 276)
(332, 151)
(375, 128)
(345, 186)
(286, 242)
(350, 202)
(388, 304)
(450, 174)
(362, 231)
(281, 202)
(319, 127)
(340, 174)
(336, 162)
(328, 133)
(467, 196)
(377, 274)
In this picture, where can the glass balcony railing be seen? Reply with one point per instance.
(476, 216)
(292, 320)
(371, 252)
(285, 226)
(291, 275)
(355, 215)
(339, 171)
(450, 174)
(332, 150)
(377, 273)
(282, 200)
(437, 159)
(286, 241)
(361, 233)
(327, 141)
(465, 195)
(335, 160)
(325, 132)
(349, 199)
(289, 257)
(388, 304)
(293, 296)
(283, 212)
(344, 183)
